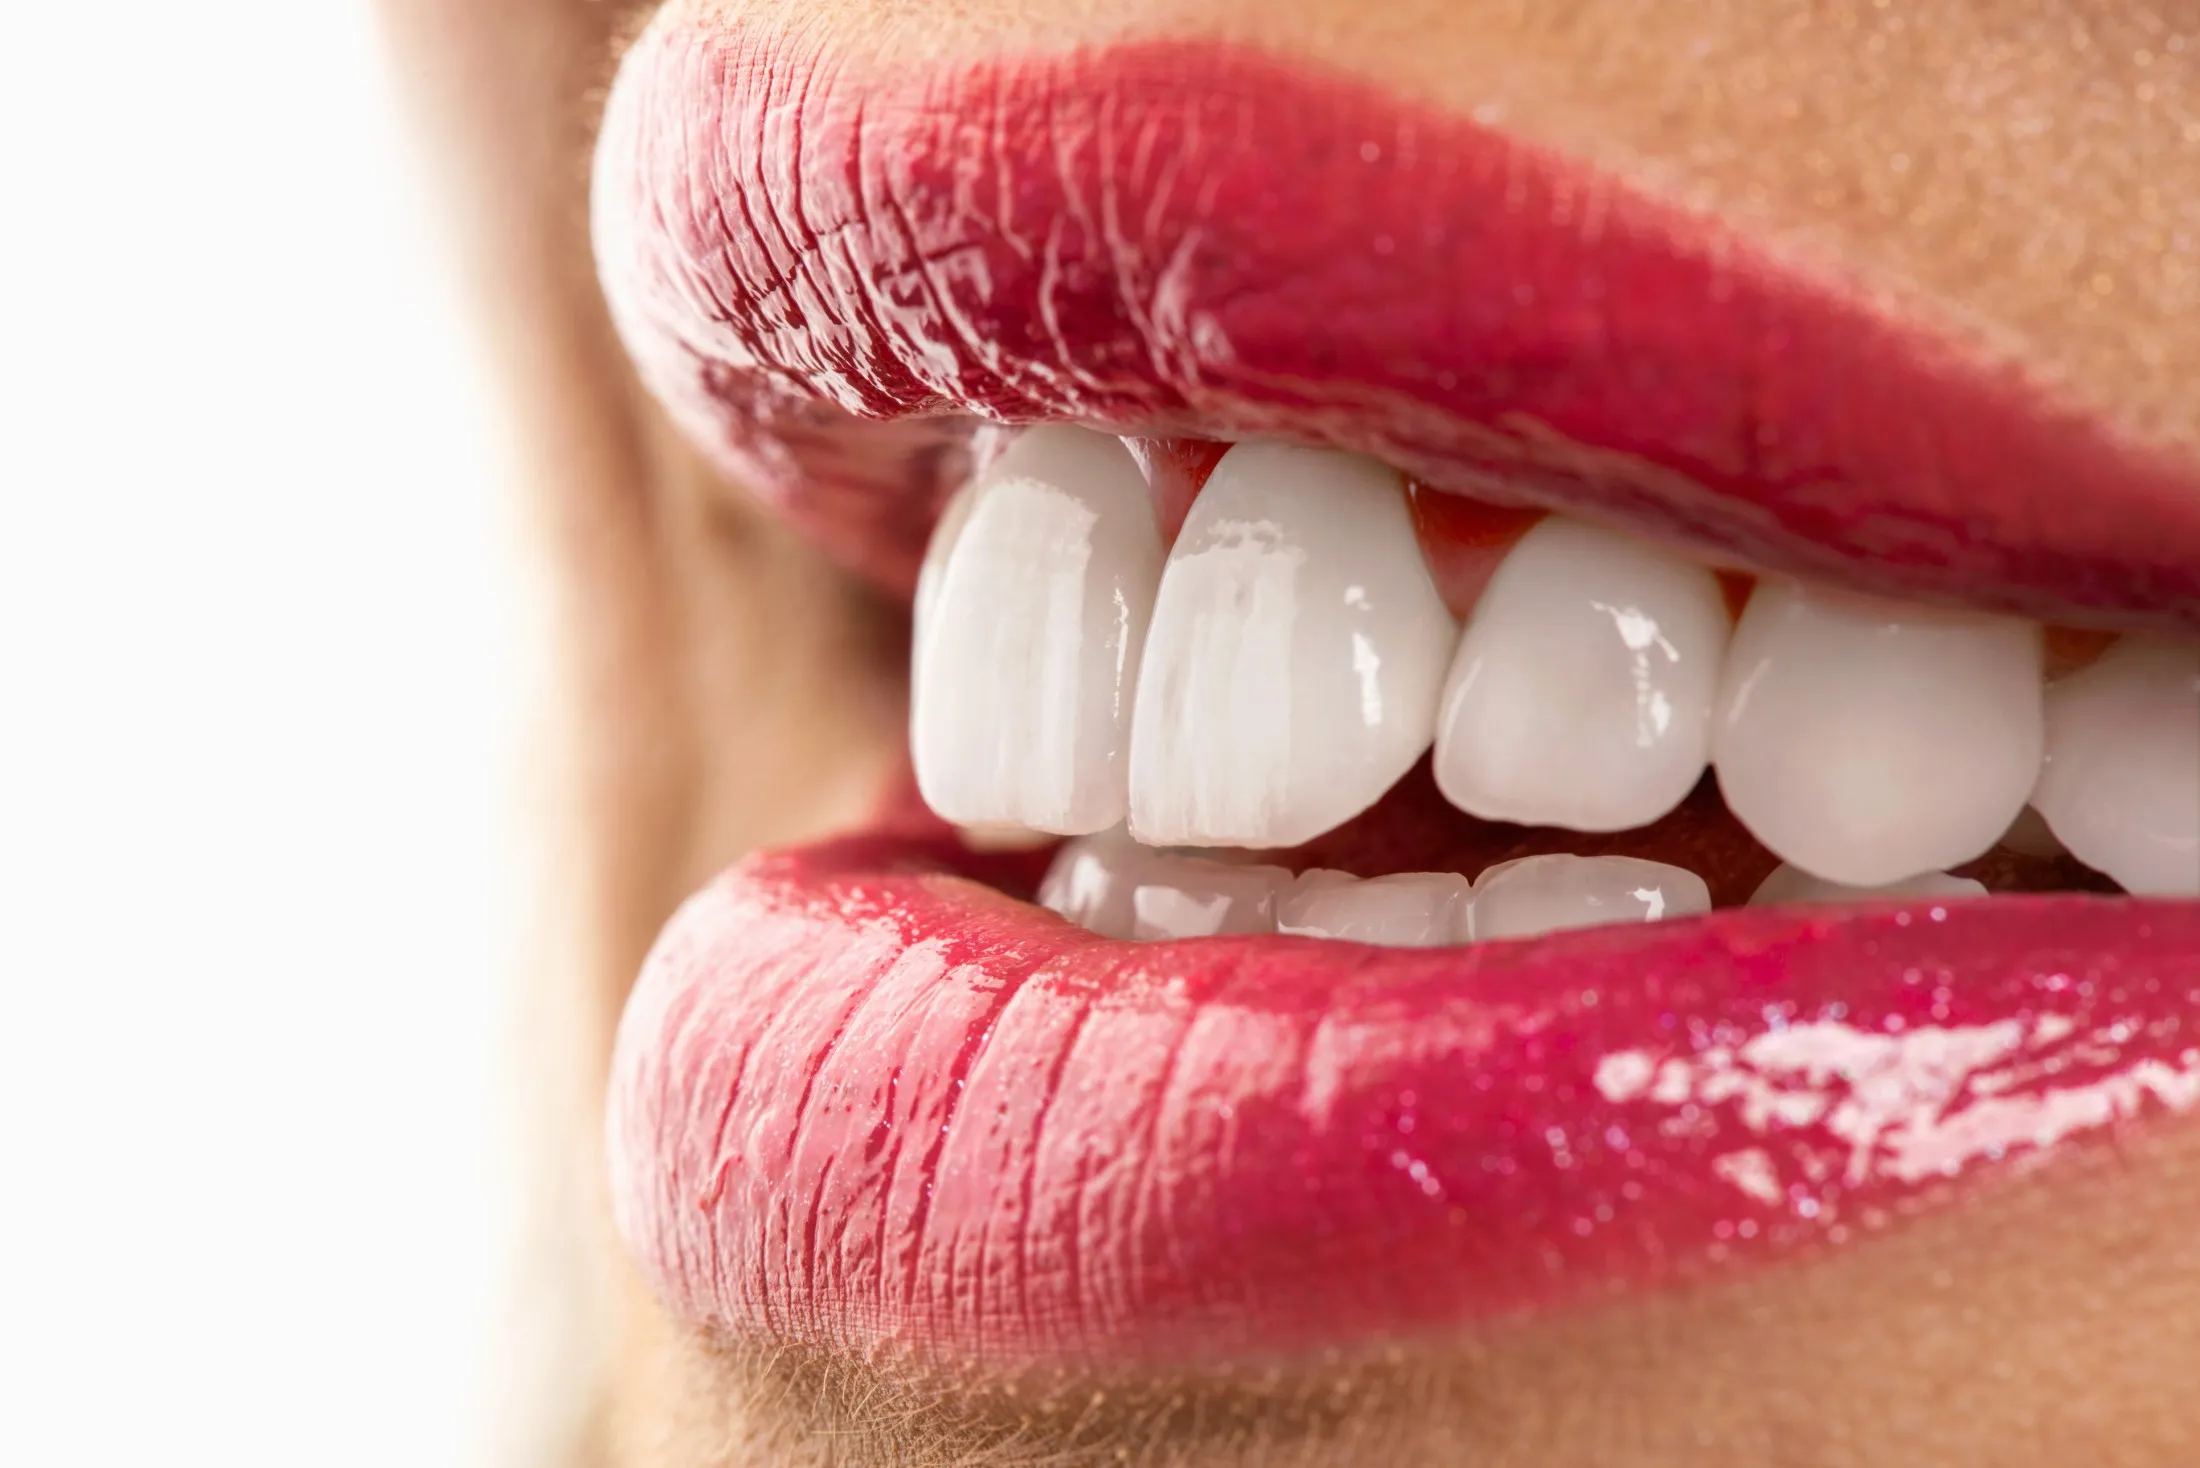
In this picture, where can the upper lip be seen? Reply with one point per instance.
(830, 274)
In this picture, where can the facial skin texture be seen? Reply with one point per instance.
(2026, 169)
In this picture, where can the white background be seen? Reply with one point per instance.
(256, 703)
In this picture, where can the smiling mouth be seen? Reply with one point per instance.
(1593, 753)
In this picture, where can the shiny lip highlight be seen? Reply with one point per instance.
(860, 1105)
(831, 273)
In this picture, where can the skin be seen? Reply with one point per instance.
(2024, 169)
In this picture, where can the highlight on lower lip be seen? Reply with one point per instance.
(831, 267)
(859, 1103)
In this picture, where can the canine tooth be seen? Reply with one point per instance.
(1029, 643)
(1093, 880)
(1866, 741)
(1188, 897)
(1581, 693)
(1410, 910)
(1295, 655)
(1546, 894)
(1793, 884)
(2121, 784)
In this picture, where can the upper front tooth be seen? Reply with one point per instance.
(1028, 639)
(1410, 910)
(1545, 894)
(1793, 884)
(2121, 786)
(1581, 693)
(1296, 652)
(1866, 741)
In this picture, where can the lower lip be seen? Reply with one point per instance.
(860, 1103)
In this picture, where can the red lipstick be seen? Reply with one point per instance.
(858, 1103)
(830, 272)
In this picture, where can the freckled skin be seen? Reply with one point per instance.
(2016, 165)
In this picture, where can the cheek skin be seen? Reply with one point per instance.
(716, 686)
(712, 685)
(2017, 165)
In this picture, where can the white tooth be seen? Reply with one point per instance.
(1793, 884)
(1028, 647)
(2121, 786)
(1297, 649)
(1410, 910)
(945, 534)
(1546, 894)
(1581, 693)
(1119, 889)
(1866, 741)
(1187, 897)
(1093, 880)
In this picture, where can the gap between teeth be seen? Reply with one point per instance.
(1278, 668)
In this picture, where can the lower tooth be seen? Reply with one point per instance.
(1546, 894)
(1093, 881)
(1411, 910)
(2121, 784)
(1793, 884)
(1867, 741)
(1186, 897)
(1110, 885)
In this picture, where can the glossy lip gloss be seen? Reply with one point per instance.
(860, 1104)
(829, 271)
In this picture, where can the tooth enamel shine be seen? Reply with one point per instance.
(1190, 897)
(945, 534)
(1295, 655)
(1581, 693)
(1548, 894)
(1092, 882)
(1410, 910)
(2121, 784)
(1866, 741)
(1029, 638)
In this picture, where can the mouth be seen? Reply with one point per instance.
(1593, 752)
